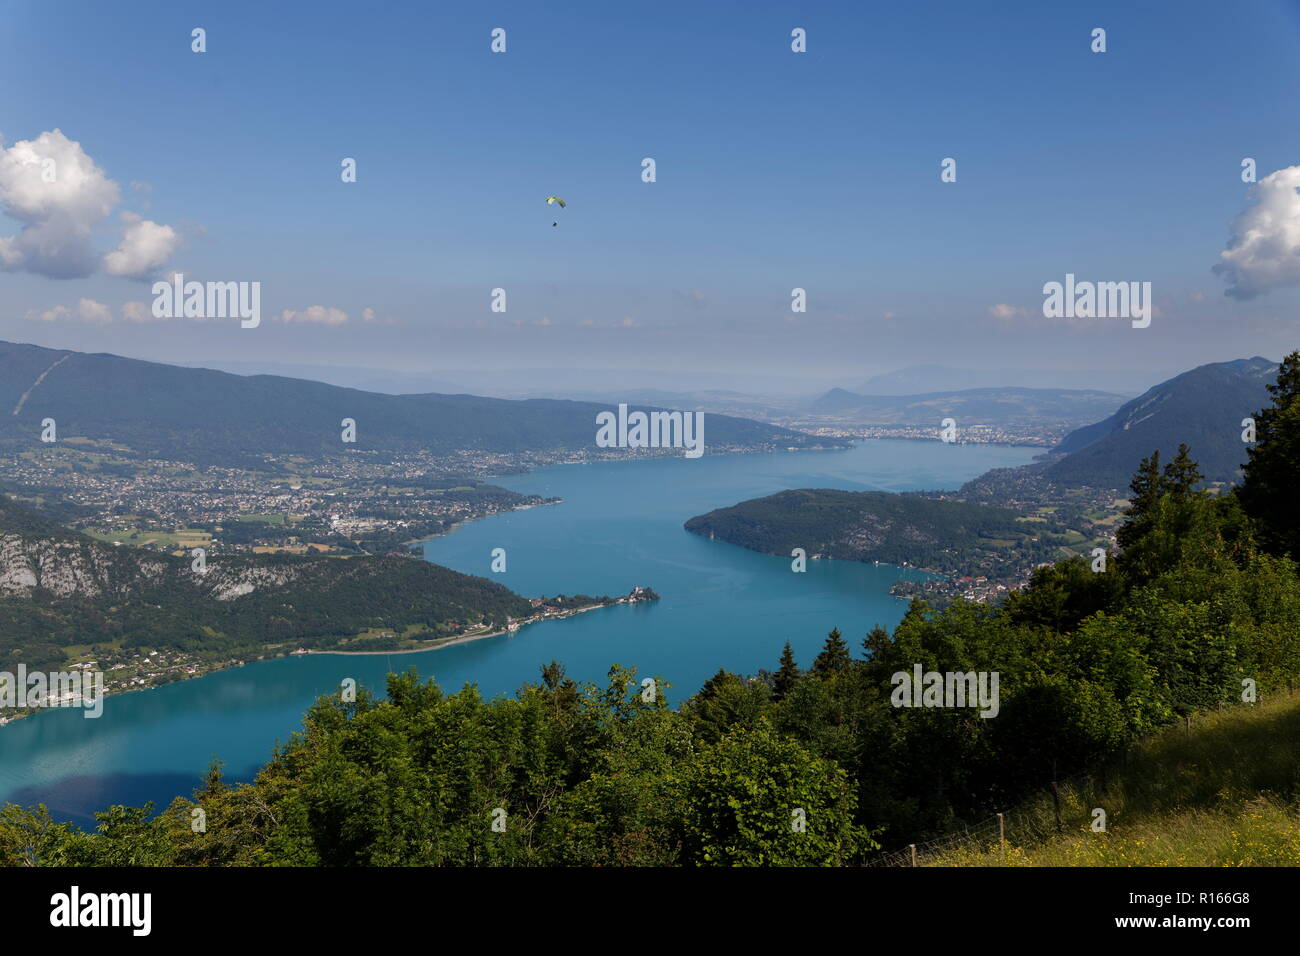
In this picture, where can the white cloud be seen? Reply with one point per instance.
(313, 313)
(1004, 311)
(86, 310)
(1264, 252)
(60, 195)
(93, 311)
(146, 246)
(57, 192)
(138, 312)
(370, 317)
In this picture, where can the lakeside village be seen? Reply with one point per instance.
(354, 503)
(165, 667)
(1044, 435)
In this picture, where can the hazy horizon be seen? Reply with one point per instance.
(561, 382)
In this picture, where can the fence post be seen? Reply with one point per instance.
(1002, 832)
(913, 847)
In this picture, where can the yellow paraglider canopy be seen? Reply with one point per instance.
(555, 200)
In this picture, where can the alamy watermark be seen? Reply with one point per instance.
(918, 688)
(651, 430)
(208, 300)
(78, 688)
(1098, 300)
(128, 910)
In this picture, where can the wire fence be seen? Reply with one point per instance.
(983, 835)
(1037, 818)
(1035, 821)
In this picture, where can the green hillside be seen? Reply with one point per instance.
(1203, 408)
(953, 536)
(1225, 792)
(58, 589)
(211, 417)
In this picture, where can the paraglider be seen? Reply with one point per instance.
(551, 200)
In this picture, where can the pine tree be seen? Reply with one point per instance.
(787, 675)
(552, 674)
(875, 642)
(834, 656)
(1268, 493)
(1182, 475)
(214, 783)
(1147, 487)
(715, 684)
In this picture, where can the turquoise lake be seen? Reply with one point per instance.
(620, 525)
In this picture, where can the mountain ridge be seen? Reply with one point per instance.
(214, 417)
(1203, 407)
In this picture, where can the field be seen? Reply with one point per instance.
(183, 540)
(314, 547)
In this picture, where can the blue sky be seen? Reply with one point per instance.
(775, 170)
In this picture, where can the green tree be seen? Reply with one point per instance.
(1182, 475)
(1178, 524)
(725, 701)
(1061, 596)
(758, 799)
(834, 656)
(875, 642)
(1268, 490)
(29, 837)
(1054, 727)
(787, 675)
(1147, 487)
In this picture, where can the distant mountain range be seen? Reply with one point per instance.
(997, 406)
(582, 384)
(211, 417)
(921, 379)
(1203, 407)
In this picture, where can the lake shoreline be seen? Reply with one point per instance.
(724, 605)
(461, 638)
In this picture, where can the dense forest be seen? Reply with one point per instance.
(800, 765)
(954, 537)
(333, 601)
